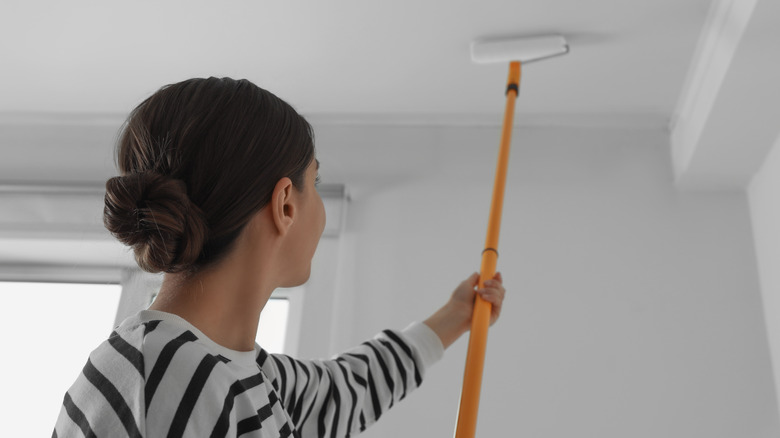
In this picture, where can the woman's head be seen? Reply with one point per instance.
(197, 160)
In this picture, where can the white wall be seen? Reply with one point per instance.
(764, 193)
(632, 310)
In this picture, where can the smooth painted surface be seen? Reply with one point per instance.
(347, 57)
(764, 192)
(632, 310)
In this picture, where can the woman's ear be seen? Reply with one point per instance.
(282, 205)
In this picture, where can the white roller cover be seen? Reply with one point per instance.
(518, 49)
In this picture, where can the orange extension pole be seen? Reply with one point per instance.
(480, 321)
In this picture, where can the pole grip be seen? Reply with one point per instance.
(480, 321)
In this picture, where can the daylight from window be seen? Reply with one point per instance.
(47, 333)
(272, 329)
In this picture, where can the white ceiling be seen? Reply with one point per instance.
(375, 61)
(71, 71)
(376, 73)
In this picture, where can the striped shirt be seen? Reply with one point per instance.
(157, 375)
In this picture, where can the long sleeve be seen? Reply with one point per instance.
(342, 396)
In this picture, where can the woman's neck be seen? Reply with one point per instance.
(224, 303)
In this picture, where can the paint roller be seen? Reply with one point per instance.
(515, 51)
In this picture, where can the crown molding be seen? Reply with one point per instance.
(724, 123)
(616, 120)
(61, 119)
(723, 26)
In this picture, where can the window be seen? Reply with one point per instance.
(47, 332)
(272, 328)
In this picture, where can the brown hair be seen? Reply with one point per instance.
(197, 160)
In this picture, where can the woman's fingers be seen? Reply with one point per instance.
(494, 293)
(493, 297)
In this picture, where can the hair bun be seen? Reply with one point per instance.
(153, 214)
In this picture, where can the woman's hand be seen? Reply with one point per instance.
(454, 318)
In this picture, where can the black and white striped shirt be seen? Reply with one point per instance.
(157, 375)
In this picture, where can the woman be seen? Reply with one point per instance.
(217, 190)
